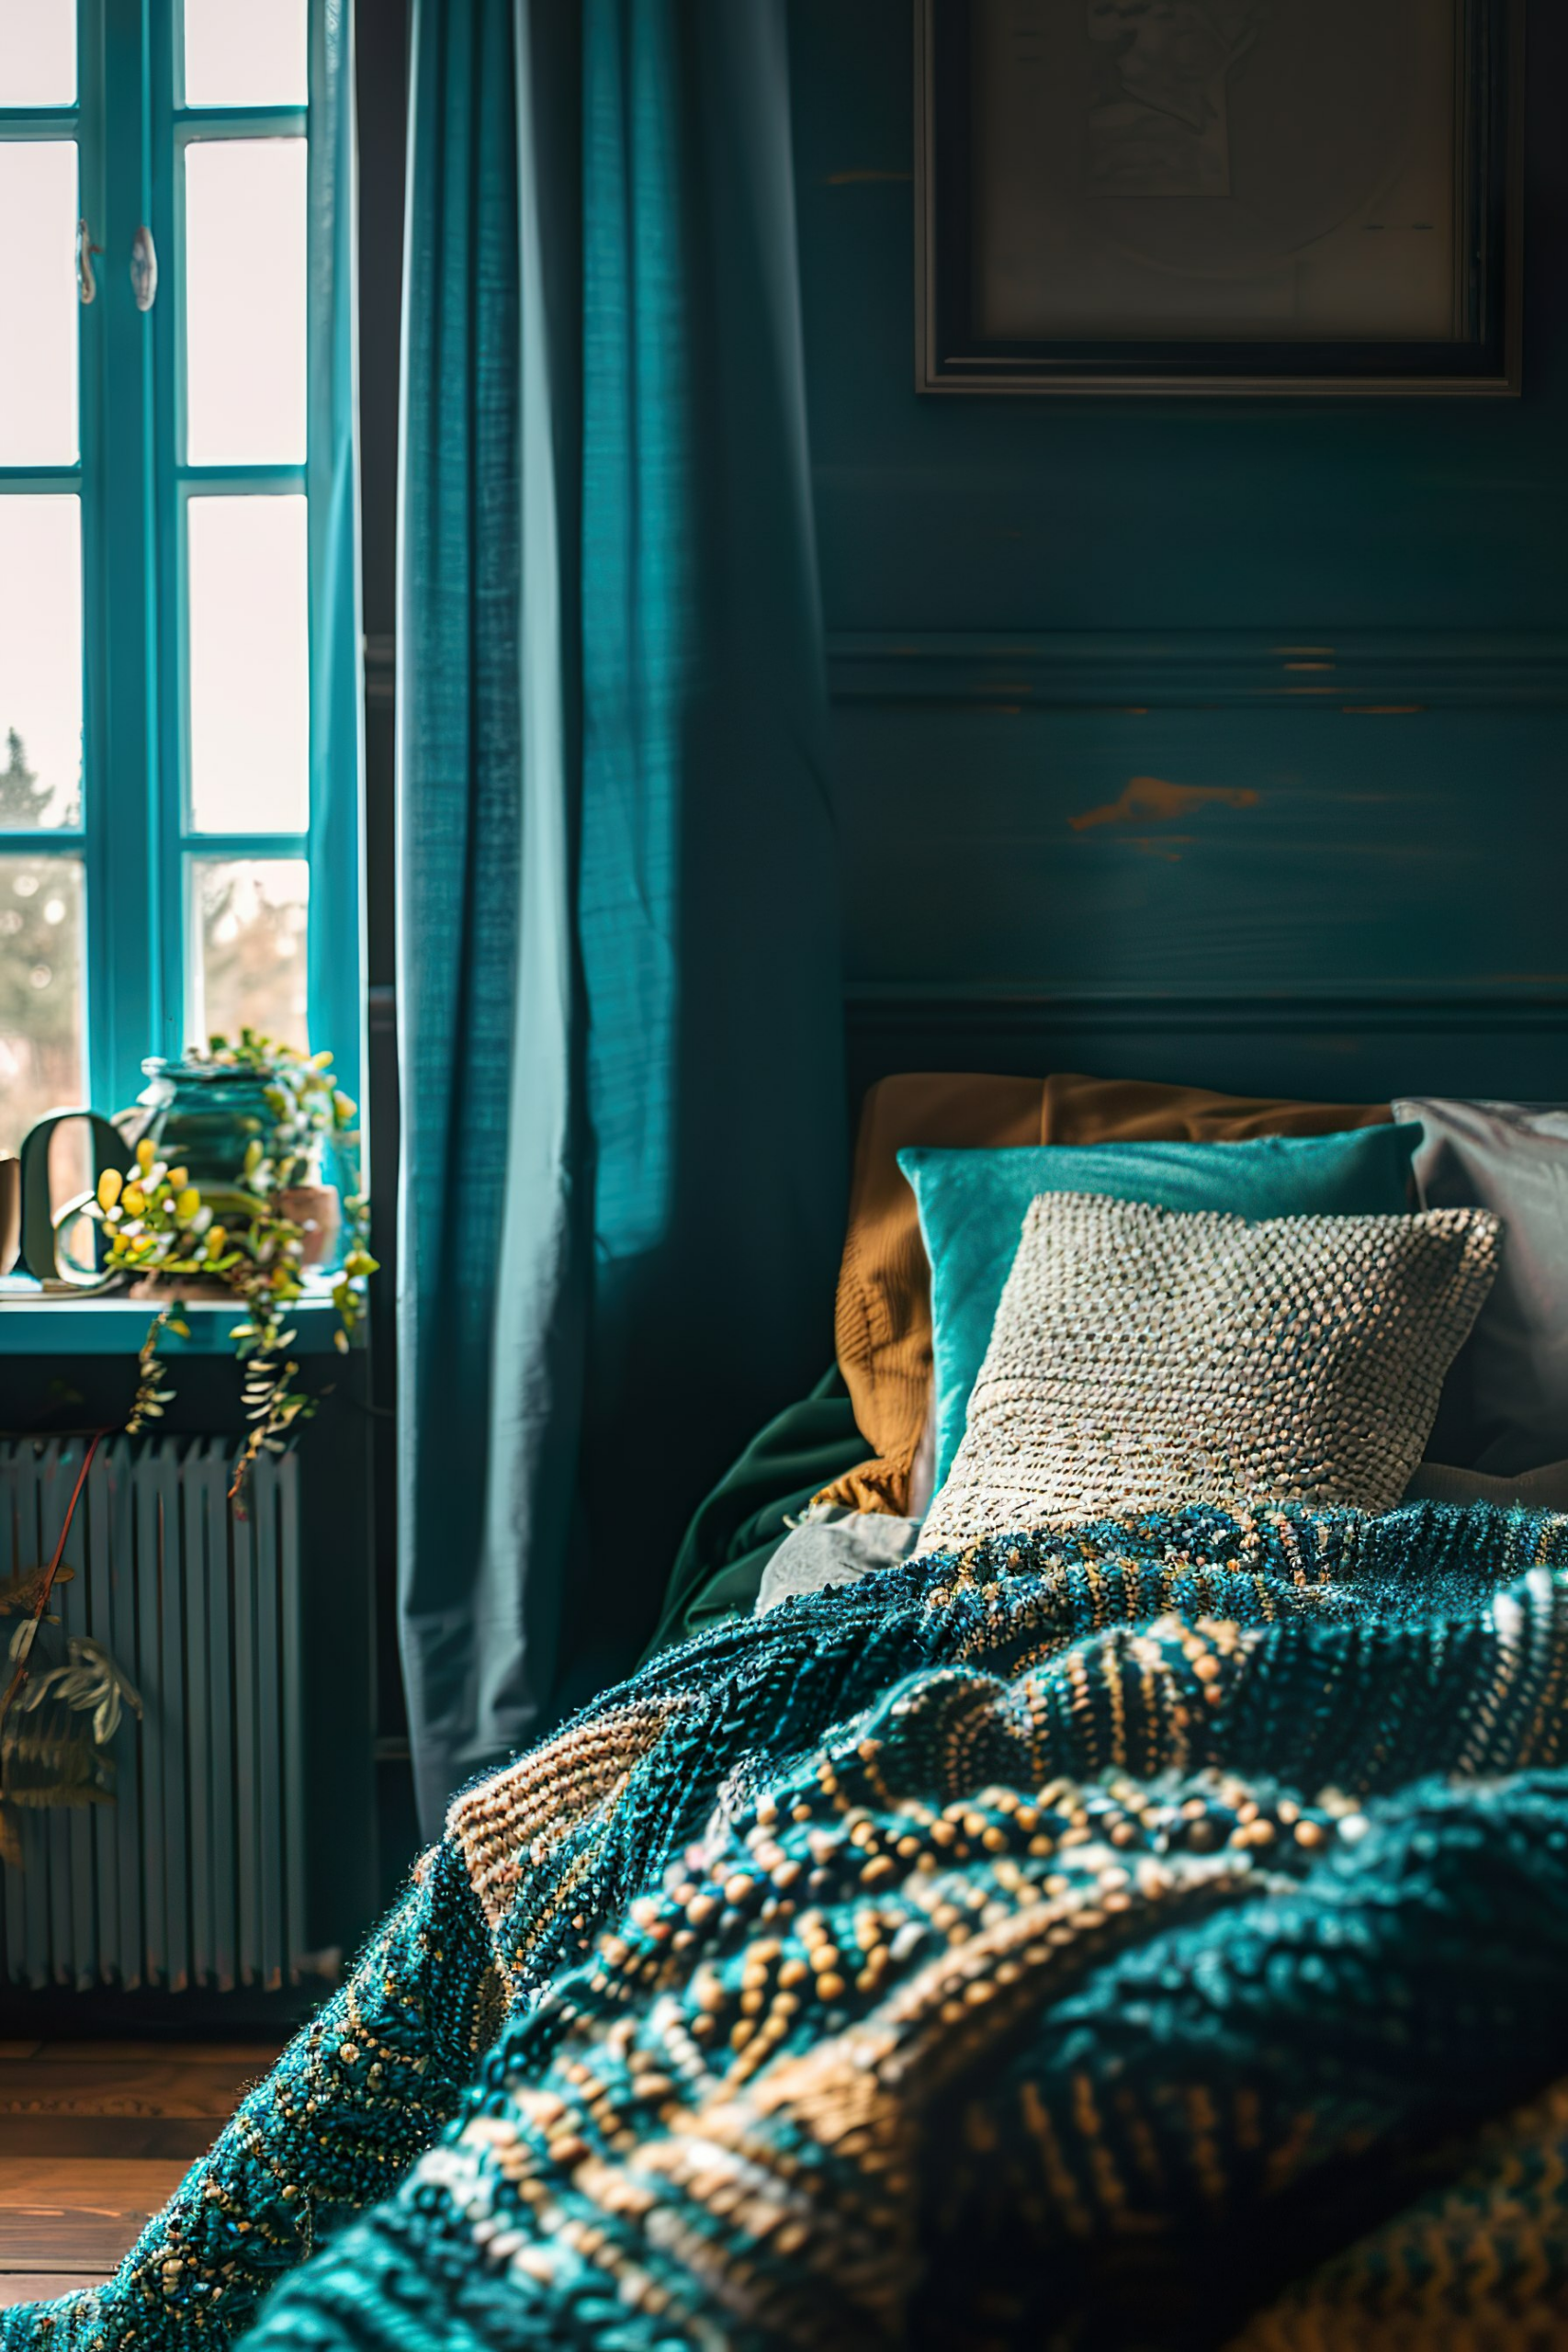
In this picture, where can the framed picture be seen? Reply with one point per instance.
(1254, 196)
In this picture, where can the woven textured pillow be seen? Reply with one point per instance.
(884, 1310)
(1143, 1358)
(972, 1205)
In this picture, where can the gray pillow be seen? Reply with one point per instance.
(1144, 1359)
(837, 1547)
(1542, 1490)
(1505, 1406)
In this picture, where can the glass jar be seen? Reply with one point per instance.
(204, 1116)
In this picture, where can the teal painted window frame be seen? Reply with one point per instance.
(134, 836)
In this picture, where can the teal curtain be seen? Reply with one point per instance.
(619, 990)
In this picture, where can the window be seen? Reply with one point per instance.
(173, 421)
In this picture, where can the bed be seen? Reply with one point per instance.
(1029, 1921)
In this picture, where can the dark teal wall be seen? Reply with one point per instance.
(1333, 635)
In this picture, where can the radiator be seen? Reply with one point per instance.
(193, 1876)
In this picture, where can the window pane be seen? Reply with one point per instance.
(40, 662)
(250, 728)
(37, 52)
(245, 53)
(249, 916)
(43, 1066)
(37, 372)
(245, 302)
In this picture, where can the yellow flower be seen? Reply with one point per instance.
(186, 1203)
(109, 1185)
(133, 1200)
(144, 1154)
(215, 1241)
(178, 1179)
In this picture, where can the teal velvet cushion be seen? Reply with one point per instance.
(972, 1208)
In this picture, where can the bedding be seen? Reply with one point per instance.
(1144, 1356)
(1100, 1940)
(972, 1204)
(1505, 1407)
(740, 1526)
(883, 1315)
(1543, 1488)
(835, 1546)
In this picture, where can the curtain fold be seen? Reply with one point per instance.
(619, 986)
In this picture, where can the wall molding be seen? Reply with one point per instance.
(1380, 674)
(894, 1009)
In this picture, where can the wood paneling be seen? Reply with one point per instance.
(1369, 673)
(1239, 849)
(1195, 515)
(1354, 1051)
(1166, 858)
(1195, 740)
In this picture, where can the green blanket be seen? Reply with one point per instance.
(718, 1569)
(1116, 1939)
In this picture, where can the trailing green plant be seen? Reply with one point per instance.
(51, 1755)
(157, 1223)
(149, 1400)
(57, 1718)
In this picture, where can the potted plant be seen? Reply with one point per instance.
(211, 1111)
(261, 1222)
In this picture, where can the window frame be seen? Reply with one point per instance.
(135, 486)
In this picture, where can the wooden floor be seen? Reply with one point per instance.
(93, 2137)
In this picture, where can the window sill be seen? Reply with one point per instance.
(34, 1324)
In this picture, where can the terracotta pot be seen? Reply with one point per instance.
(316, 1208)
(10, 1211)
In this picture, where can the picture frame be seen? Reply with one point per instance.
(1236, 198)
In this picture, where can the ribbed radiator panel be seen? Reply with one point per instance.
(194, 1876)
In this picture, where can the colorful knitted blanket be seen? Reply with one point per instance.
(1151, 1938)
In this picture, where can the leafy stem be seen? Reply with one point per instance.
(157, 1223)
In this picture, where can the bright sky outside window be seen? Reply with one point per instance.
(250, 716)
(38, 379)
(249, 917)
(245, 306)
(40, 660)
(37, 52)
(156, 542)
(245, 52)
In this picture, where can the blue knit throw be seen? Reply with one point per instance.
(1085, 1941)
